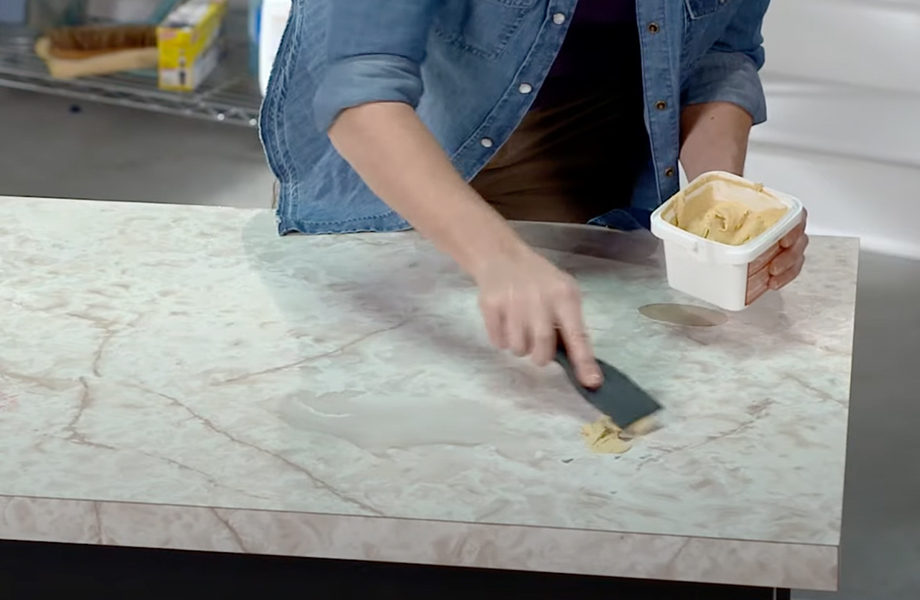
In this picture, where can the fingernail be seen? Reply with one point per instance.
(595, 379)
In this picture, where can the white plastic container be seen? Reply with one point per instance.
(711, 271)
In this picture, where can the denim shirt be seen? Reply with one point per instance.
(472, 68)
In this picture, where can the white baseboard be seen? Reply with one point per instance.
(843, 95)
(868, 43)
(876, 202)
(836, 119)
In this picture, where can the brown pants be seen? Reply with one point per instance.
(569, 163)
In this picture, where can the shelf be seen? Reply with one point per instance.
(230, 95)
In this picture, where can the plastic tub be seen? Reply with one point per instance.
(711, 271)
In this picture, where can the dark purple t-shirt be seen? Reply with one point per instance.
(594, 37)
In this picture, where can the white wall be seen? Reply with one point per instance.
(843, 89)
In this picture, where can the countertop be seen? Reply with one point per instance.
(181, 377)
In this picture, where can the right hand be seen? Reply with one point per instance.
(527, 303)
(524, 298)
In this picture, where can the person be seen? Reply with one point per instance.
(454, 116)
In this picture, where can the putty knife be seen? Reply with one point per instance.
(619, 397)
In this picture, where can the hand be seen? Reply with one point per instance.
(779, 265)
(527, 303)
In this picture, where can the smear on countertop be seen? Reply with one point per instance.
(683, 315)
(606, 437)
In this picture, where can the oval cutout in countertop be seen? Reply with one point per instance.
(683, 315)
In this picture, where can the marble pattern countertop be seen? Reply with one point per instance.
(181, 377)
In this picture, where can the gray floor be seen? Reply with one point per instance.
(881, 522)
(109, 153)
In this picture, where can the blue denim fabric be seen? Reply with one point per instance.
(461, 64)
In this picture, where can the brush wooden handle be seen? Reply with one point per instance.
(66, 54)
(103, 64)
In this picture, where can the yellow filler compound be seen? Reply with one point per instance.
(605, 437)
(711, 213)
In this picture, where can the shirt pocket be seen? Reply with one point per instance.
(705, 22)
(481, 27)
(697, 9)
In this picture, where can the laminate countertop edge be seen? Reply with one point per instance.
(422, 542)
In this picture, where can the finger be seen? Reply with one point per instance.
(577, 343)
(494, 319)
(757, 285)
(764, 259)
(518, 331)
(787, 277)
(789, 257)
(543, 335)
(790, 238)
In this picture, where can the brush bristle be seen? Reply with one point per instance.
(103, 37)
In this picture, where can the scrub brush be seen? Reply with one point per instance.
(91, 50)
(74, 43)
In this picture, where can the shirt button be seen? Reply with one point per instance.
(558, 18)
(669, 172)
(653, 28)
(525, 88)
(486, 142)
(661, 105)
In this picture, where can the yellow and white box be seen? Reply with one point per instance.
(187, 44)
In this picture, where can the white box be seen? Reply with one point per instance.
(711, 271)
(275, 15)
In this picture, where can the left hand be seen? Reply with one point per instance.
(779, 265)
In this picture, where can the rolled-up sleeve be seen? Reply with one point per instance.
(375, 51)
(729, 71)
